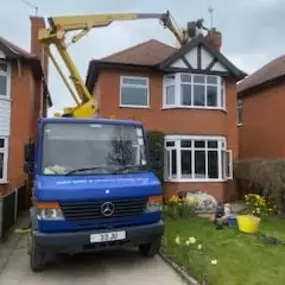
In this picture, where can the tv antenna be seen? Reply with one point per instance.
(211, 12)
(36, 8)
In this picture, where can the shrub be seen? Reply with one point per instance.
(265, 177)
(258, 205)
(156, 152)
(179, 208)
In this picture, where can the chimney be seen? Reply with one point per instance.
(37, 48)
(214, 37)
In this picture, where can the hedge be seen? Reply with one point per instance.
(262, 176)
(156, 152)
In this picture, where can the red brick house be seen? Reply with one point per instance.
(261, 109)
(187, 93)
(23, 99)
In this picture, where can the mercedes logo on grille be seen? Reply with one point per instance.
(107, 209)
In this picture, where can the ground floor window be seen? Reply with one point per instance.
(197, 158)
(3, 159)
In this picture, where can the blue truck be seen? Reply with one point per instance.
(93, 189)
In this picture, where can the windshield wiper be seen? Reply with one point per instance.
(130, 167)
(86, 169)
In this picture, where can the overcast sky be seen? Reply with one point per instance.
(252, 30)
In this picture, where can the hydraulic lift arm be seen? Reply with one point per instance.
(86, 105)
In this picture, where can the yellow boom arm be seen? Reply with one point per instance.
(86, 105)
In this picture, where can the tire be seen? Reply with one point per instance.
(37, 257)
(150, 249)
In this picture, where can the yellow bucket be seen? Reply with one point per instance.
(248, 224)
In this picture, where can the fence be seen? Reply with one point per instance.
(11, 205)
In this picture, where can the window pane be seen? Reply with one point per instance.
(186, 77)
(134, 96)
(200, 144)
(199, 95)
(213, 165)
(200, 164)
(3, 67)
(170, 96)
(2, 143)
(167, 162)
(186, 168)
(212, 79)
(222, 95)
(212, 96)
(135, 81)
(212, 144)
(1, 165)
(199, 78)
(3, 85)
(185, 143)
(170, 143)
(173, 162)
(186, 95)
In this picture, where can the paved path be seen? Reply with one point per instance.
(120, 268)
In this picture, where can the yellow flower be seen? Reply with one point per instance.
(192, 240)
(187, 242)
(214, 262)
(177, 240)
(199, 246)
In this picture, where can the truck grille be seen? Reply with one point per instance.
(91, 210)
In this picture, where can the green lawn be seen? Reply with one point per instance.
(242, 259)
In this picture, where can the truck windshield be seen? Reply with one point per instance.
(81, 148)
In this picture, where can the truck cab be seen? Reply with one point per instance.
(92, 189)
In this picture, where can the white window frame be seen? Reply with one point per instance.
(239, 109)
(134, 86)
(225, 171)
(221, 100)
(8, 77)
(4, 150)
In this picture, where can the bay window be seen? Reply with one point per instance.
(194, 91)
(189, 158)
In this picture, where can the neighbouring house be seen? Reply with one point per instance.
(24, 99)
(261, 109)
(189, 94)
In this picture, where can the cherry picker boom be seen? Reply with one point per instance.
(86, 105)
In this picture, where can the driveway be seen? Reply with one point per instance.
(124, 267)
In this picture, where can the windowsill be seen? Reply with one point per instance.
(197, 180)
(134, 107)
(195, 108)
(4, 98)
(240, 125)
(3, 182)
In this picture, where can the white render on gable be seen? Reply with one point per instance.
(192, 58)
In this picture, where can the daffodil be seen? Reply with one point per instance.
(177, 240)
(199, 246)
(214, 262)
(192, 240)
(187, 242)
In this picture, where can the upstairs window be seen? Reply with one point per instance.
(134, 92)
(4, 79)
(240, 112)
(193, 91)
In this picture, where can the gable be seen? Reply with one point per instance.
(201, 57)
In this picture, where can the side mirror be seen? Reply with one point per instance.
(29, 152)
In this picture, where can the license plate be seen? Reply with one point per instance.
(110, 236)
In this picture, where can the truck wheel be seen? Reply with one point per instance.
(37, 257)
(150, 249)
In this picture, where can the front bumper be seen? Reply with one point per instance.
(75, 242)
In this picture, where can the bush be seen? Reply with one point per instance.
(265, 177)
(258, 205)
(156, 152)
(179, 208)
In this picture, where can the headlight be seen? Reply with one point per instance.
(49, 212)
(154, 204)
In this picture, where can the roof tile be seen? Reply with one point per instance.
(151, 52)
(269, 71)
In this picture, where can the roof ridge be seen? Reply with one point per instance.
(135, 47)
